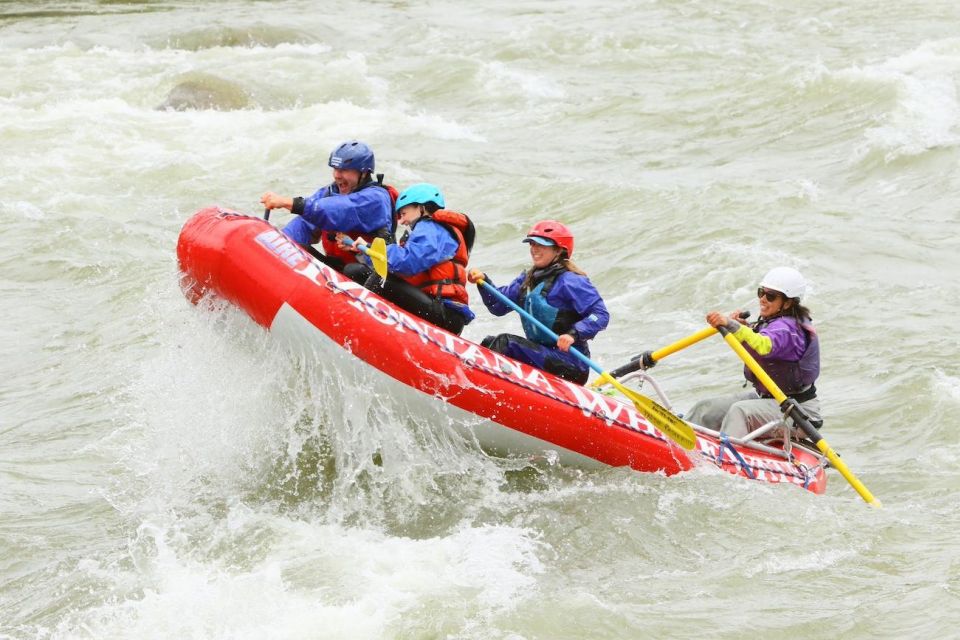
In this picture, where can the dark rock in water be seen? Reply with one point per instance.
(201, 91)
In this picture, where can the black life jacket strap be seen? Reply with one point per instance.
(548, 283)
(440, 284)
(801, 396)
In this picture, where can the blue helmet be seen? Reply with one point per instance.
(420, 193)
(352, 154)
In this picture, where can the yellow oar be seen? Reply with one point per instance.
(703, 334)
(377, 252)
(791, 408)
(668, 424)
(647, 359)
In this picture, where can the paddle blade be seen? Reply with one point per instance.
(667, 423)
(378, 256)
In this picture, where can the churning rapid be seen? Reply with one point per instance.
(176, 471)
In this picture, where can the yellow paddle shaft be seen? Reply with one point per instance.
(660, 354)
(377, 249)
(378, 256)
(703, 334)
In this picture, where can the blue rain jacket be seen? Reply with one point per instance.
(571, 291)
(429, 243)
(362, 211)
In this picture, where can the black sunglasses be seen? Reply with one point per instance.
(769, 294)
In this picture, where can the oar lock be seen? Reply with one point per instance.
(640, 361)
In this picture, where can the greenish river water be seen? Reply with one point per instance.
(169, 471)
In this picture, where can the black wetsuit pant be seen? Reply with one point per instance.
(330, 261)
(408, 297)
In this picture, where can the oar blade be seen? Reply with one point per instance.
(378, 256)
(665, 421)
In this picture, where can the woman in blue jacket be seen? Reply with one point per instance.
(558, 294)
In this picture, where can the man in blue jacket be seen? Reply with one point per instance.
(354, 204)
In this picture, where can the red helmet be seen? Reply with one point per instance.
(558, 232)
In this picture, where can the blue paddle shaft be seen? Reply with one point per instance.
(507, 301)
(349, 242)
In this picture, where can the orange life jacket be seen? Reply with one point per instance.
(448, 279)
(328, 238)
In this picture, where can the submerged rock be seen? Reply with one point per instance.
(201, 91)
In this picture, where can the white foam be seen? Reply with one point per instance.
(784, 563)
(926, 113)
(318, 580)
(23, 209)
(438, 127)
(949, 384)
(498, 78)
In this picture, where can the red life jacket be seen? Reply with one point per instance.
(448, 279)
(328, 238)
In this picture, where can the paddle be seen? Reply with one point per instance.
(791, 408)
(668, 424)
(377, 252)
(647, 359)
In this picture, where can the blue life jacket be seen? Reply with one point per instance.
(534, 302)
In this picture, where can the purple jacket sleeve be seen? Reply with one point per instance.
(788, 340)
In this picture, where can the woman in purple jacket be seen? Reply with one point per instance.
(785, 344)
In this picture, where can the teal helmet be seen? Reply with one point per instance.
(420, 193)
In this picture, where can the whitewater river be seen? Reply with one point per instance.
(174, 472)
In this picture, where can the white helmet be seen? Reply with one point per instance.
(786, 280)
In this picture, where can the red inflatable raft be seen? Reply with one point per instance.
(509, 407)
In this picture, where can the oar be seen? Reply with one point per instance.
(791, 408)
(668, 424)
(377, 252)
(647, 359)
